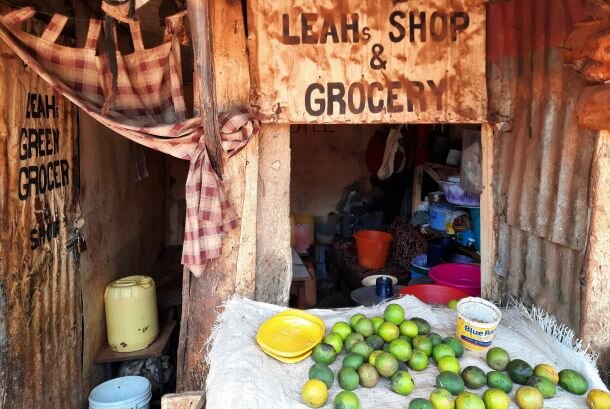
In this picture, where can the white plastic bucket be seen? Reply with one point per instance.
(127, 392)
(477, 322)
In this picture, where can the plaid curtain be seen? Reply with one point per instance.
(146, 106)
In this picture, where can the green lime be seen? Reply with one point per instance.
(474, 378)
(499, 380)
(450, 381)
(375, 341)
(354, 320)
(402, 383)
(573, 382)
(400, 349)
(496, 399)
(362, 348)
(394, 313)
(442, 350)
(322, 373)
(420, 403)
(435, 338)
(455, 345)
(324, 354)
(368, 375)
(498, 358)
(423, 343)
(546, 387)
(365, 327)
(452, 304)
(341, 328)
(386, 364)
(351, 340)
(377, 321)
(348, 378)
(448, 363)
(335, 340)
(346, 400)
(353, 361)
(409, 329)
(442, 399)
(418, 361)
(389, 331)
(374, 356)
(468, 400)
(423, 327)
(519, 371)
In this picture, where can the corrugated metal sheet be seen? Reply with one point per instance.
(542, 160)
(40, 305)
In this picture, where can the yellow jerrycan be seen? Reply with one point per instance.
(131, 313)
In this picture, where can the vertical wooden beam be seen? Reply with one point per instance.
(595, 322)
(234, 272)
(200, 19)
(489, 232)
(274, 256)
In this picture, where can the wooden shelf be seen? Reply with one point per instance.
(436, 171)
(155, 350)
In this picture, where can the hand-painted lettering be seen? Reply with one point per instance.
(395, 97)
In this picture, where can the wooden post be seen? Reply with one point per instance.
(274, 255)
(489, 284)
(234, 272)
(595, 301)
(200, 20)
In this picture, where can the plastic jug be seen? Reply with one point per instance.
(131, 313)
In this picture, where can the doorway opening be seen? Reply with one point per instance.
(421, 184)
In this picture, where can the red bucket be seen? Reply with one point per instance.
(373, 248)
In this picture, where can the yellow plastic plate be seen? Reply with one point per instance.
(287, 360)
(289, 335)
(303, 314)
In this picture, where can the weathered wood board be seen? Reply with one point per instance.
(359, 61)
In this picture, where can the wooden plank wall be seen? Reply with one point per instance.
(234, 272)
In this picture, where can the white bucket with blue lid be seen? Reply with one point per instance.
(127, 392)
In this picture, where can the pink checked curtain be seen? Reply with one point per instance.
(146, 106)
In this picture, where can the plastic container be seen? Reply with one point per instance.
(439, 251)
(476, 323)
(302, 241)
(373, 248)
(456, 195)
(466, 277)
(128, 392)
(325, 228)
(439, 213)
(131, 313)
(475, 215)
(419, 266)
(371, 281)
(434, 293)
(309, 220)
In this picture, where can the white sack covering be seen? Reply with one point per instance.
(242, 376)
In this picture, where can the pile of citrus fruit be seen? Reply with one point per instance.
(392, 346)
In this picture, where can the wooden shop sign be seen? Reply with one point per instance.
(361, 61)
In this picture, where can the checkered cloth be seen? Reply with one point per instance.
(147, 106)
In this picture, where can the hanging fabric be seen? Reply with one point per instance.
(146, 105)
